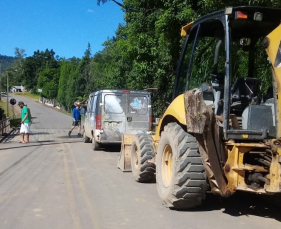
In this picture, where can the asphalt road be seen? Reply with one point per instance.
(60, 182)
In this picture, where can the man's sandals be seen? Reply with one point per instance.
(23, 142)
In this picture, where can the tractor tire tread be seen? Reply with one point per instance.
(189, 185)
(145, 172)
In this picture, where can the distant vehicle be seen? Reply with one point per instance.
(112, 113)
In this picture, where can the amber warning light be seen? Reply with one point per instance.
(240, 15)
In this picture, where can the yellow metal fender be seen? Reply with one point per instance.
(274, 52)
(174, 113)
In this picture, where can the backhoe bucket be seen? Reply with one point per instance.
(124, 161)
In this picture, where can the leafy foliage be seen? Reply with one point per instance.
(142, 54)
(6, 62)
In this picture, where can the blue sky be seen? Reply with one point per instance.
(66, 26)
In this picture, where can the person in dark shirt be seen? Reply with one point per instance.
(76, 119)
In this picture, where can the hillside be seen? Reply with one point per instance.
(6, 61)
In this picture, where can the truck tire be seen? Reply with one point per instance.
(95, 145)
(142, 151)
(180, 174)
(85, 138)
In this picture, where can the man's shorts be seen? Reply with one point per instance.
(25, 128)
(76, 123)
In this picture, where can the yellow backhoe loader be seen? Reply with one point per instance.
(225, 135)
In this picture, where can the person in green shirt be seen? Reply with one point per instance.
(25, 122)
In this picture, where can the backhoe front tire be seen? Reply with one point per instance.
(142, 151)
(180, 174)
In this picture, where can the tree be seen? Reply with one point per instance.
(86, 82)
(68, 71)
(48, 81)
(104, 1)
(145, 50)
(32, 66)
(142, 54)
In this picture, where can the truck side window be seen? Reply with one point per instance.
(181, 81)
(203, 61)
(94, 104)
(197, 62)
(89, 107)
(208, 58)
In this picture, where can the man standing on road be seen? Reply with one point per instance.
(76, 119)
(25, 122)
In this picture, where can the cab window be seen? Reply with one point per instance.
(138, 105)
(113, 104)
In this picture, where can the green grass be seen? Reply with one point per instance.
(28, 95)
(3, 105)
(70, 114)
(64, 112)
(15, 123)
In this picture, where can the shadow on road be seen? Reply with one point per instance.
(113, 148)
(244, 204)
(8, 146)
(71, 137)
(46, 133)
(17, 162)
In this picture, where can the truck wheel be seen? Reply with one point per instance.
(85, 138)
(142, 151)
(180, 174)
(95, 145)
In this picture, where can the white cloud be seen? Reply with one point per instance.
(90, 11)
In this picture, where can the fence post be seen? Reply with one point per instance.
(4, 126)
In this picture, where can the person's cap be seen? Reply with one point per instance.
(77, 104)
(20, 103)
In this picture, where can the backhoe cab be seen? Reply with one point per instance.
(224, 135)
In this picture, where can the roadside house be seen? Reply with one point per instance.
(17, 89)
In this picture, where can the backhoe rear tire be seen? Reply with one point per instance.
(180, 174)
(142, 151)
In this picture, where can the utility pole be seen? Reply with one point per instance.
(7, 73)
(7, 94)
(0, 80)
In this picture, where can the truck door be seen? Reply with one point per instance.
(92, 115)
(113, 117)
(138, 117)
(87, 117)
